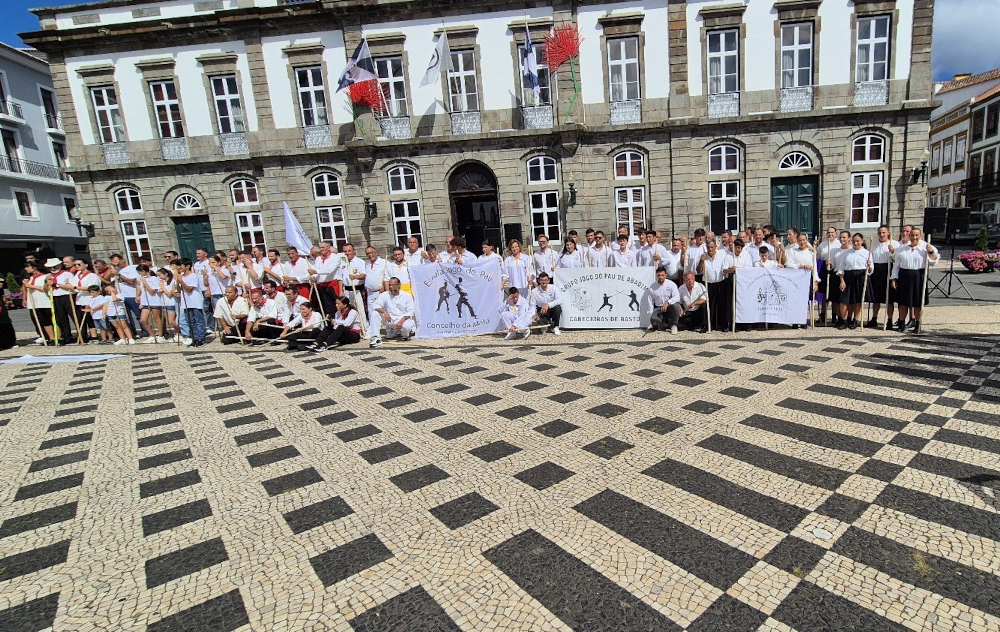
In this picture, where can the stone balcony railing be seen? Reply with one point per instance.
(234, 144)
(174, 148)
(537, 116)
(115, 153)
(395, 127)
(317, 136)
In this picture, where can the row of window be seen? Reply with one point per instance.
(986, 122)
(948, 197)
(983, 163)
(950, 151)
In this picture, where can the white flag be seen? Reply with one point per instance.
(294, 235)
(442, 55)
(531, 65)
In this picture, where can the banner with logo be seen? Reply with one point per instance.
(605, 298)
(772, 295)
(457, 300)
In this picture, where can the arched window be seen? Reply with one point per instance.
(326, 185)
(724, 159)
(541, 169)
(868, 149)
(628, 164)
(244, 192)
(186, 202)
(128, 200)
(795, 160)
(402, 179)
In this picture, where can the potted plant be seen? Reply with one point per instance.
(13, 296)
(981, 259)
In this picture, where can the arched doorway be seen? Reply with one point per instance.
(475, 207)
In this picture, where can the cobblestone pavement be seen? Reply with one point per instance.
(597, 481)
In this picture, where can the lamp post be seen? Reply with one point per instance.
(80, 226)
(572, 194)
(371, 208)
(920, 173)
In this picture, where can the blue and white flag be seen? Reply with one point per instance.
(294, 235)
(360, 67)
(530, 68)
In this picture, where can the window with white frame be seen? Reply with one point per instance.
(108, 114)
(332, 227)
(462, 84)
(406, 221)
(541, 169)
(796, 55)
(25, 203)
(393, 84)
(629, 164)
(128, 201)
(795, 160)
(936, 159)
(325, 185)
(623, 69)
(69, 204)
(946, 158)
(866, 199)
(873, 49)
(228, 107)
(946, 197)
(250, 227)
(723, 61)
(724, 159)
(960, 145)
(136, 240)
(545, 215)
(312, 95)
(166, 109)
(244, 192)
(630, 208)
(868, 149)
(187, 202)
(933, 199)
(724, 205)
(402, 179)
(544, 85)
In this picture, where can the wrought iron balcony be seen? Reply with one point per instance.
(980, 186)
(37, 169)
(395, 127)
(537, 116)
(174, 148)
(11, 109)
(317, 136)
(466, 123)
(724, 105)
(626, 112)
(53, 121)
(871, 93)
(234, 144)
(797, 99)
(115, 153)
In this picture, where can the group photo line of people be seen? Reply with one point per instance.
(328, 298)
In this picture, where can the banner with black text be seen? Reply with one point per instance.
(605, 298)
(457, 300)
(772, 295)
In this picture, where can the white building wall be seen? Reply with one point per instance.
(284, 94)
(759, 47)
(122, 15)
(835, 43)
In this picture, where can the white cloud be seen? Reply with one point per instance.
(965, 37)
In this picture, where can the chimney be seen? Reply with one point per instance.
(962, 75)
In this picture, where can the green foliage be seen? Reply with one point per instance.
(12, 284)
(983, 241)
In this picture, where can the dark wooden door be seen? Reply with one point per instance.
(193, 233)
(795, 203)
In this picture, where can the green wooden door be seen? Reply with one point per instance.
(795, 203)
(193, 233)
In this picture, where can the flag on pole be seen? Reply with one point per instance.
(530, 68)
(294, 235)
(360, 67)
(442, 55)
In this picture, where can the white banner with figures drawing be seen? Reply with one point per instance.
(605, 298)
(457, 300)
(772, 295)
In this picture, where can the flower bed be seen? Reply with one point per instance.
(979, 261)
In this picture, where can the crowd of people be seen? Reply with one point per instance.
(327, 298)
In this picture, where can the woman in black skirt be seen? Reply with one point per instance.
(879, 290)
(837, 265)
(909, 267)
(854, 267)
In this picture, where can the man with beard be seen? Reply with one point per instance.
(394, 309)
(548, 303)
(716, 268)
(327, 267)
(231, 314)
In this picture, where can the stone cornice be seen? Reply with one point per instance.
(796, 5)
(723, 11)
(619, 19)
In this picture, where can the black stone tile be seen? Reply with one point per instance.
(961, 583)
(224, 613)
(175, 517)
(145, 410)
(976, 442)
(482, 400)
(156, 423)
(305, 392)
(420, 477)
(766, 378)
(58, 461)
(906, 372)
(73, 411)
(272, 456)
(794, 368)
(233, 407)
(817, 436)
(316, 514)
(35, 560)
(405, 372)
(427, 414)
(659, 425)
(909, 442)
(31, 616)
(609, 384)
(411, 611)
(397, 403)
(566, 397)
(295, 480)
(63, 402)
(730, 614)
(453, 388)
(217, 385)
(788, 466)
(272, 376)
(89, 388)
(880, 470)
(842, 413)
(608, 447)
(688, 381)
(50, 486)
(703, 407)
(542, 367)
(68, 440)
(989, 419)
(843, 508)
(169, 483)
(158, 460)
(37, 520)
(177, 564)
(573, 375)
(678, 362)
(647, 373)
(455, 431)
(544, 475)
(214, 397)
(556, 428)
(516, 412)
(651, 394)
(428, 379)
(772, 352)
(809, 607)
(258, 436)
(581, 597)
(349, 559)
(141, 399)
(529, 387)
(289, 383)
(336, 418)
(880, 398)
(352, 383)
(245, 420)
(795, 555)
(610, 366)
(360, 432)
(76, 423)
(940, 510)
(473, 369)
(494, 451)
(720, 370)
(385, 452)
(607, 410)
(166, 437)
(463, 510)
(739, 392)
(764, 509)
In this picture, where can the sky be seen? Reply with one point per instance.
(964, 32)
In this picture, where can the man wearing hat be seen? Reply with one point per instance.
(62, 273)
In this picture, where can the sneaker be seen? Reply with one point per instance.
(119, 342)
(187, 342)
(527, 332)
(673, 329)
(376, 342)
(176, 338)
(150, 340)
(556, 331)
(510, 335)
(161, 339)
(130, 341)
(316, 349)
(39, 341)
(405, 337)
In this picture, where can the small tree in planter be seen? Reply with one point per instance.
(983, 240)
(13, 295)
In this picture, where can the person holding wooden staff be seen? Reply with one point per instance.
(852, 272)
(150, 305)
(825, 253)
(192, 286)
(803, 257)
(394, 309)
(880, 291)
(61, 289)
(344, 330)
(717, 266)
(909, 277)
(168, 290)
(327, 279)
(301, 332)
(84, 277)
(516, 314)
(36, 297)
(231, 314)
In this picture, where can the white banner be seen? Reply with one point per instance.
(457, 300)
(772, 295)
(605, 298)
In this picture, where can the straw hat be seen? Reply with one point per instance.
(53, 262)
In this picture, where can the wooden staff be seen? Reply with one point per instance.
(888, 285)
(923, 290)
(236, 322)
(34, 314)
(864, 291)
(362, 317)
(826, 264)
(56, 334)
(734, 298)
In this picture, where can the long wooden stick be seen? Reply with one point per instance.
(864, 290)
(76, 319)
(923, 290)
(34, 314)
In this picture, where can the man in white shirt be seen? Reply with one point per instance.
(489, 253)
(295, 273)
(653, 253)
(394, 309)
(622, 256)
(459, 254)
(516, 314)
(273, 269)
(741, 254)
(217, 278)
(231, 314)
(327, 269)
(666, 303)
(63, 286)
(692, 258)
(192, 288)
(692, 300)
(673, 263)
(127, 286)
(414, 254)
(599, 253)
(374, 276)
(584, 248)
(261, 314)
(548, 303)
(545, 258)
(352, 274)
(716, 268)
(399, 269)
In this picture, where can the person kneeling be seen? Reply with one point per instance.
(395, 310)
(548, 303)
(693, 299)
(516, 315)
(666, 303)
(231, 315)
(301, 331)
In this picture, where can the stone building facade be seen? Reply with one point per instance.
(192, 121)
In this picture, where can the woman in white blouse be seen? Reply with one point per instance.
(345, 330)
(852, 274)
(518, 268)
(571, 257)
(304, 328)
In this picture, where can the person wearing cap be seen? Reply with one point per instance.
(516, 315)
(548, 303)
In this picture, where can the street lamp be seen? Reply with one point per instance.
(371, 208)
(80, 226)
(920, 173)
(572, 194)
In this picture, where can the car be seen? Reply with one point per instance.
(986, 218)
